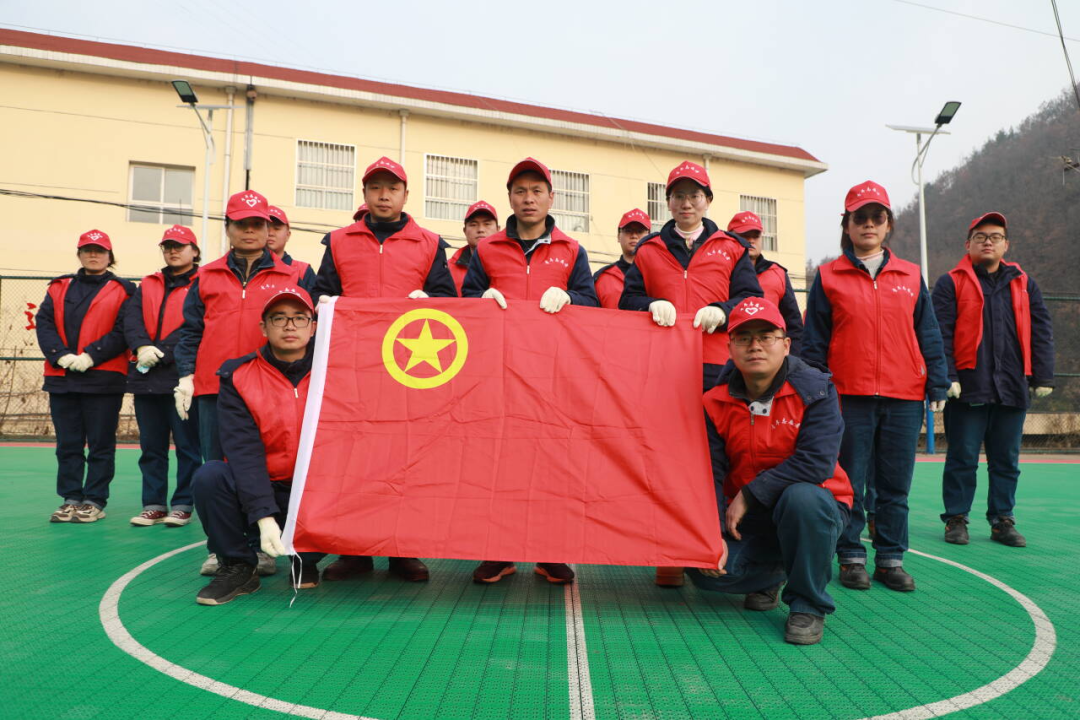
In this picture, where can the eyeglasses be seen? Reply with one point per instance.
(298, 321)
(861, 217)
(995, 238)
(767, 341)
(694, 197)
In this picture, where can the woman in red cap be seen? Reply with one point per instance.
(80, 331)
(152, 329)
(869, 318)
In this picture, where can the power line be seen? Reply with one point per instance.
(987, 20)
(1068, 62)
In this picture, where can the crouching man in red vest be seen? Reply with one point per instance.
(261, 409)
(775, 426)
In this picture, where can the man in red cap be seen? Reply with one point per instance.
(772, 276)
(278, 233)
(609, 279)
(481, 220)
(530, 260)
(774, 424)
(999, 346)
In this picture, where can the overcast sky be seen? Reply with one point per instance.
(826, 75)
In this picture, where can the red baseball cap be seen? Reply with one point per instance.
(385, 164)
(529, 165)
(180, 234)
(360, 212)
(277, 213)
(991, 217)
(95, 237)
(247, 204)
(689, 170)
(636, 216)
(744, 222)
(293, 293)
(865, 193)
(481, 207)
(755, 308)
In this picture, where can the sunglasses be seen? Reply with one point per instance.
(878, 217)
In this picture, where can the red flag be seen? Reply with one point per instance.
(450, 428)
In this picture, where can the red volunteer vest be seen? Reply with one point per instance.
(968, 332)
(609, 286)
(517, 279)
(458, 271)
(756, 443)
(392, 269)
(773, 281)
(874, 350)
(153, 291)
(100, 319)
(705, 281)
(233, 311)
(278, 409)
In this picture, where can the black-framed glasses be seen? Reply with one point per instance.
(878, 217)
(298, 321)
(996, 238)
(767, 341)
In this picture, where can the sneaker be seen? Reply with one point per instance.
(177, 518)
(210, 565)
(348, 567)
(804, 628)
(492, 571)
(233, 579)
(762, 600)
(854, 576)
(1004, 532)
(956, 531)
(88, 513)
(894, 578)
(267, 565)
(871, 526)
(148, 517)
(409, 569)
(305, 575)
(558, 573)
(670, 577)
(64, 514)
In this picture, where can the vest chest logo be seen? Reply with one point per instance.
(268, 285)
(786, 421)
(904, 289)
(556, 261)
(424, 349)
(719, 251)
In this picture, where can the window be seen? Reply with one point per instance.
(571, 208)
(765, 208)
(658, 206)
(161, 194)
(450, 186)
(325, 175)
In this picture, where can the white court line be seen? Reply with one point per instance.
(577, 658)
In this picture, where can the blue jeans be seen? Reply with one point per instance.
(880, 438)
(967, 428)
(209, 438)
(157, 418)
(85, 420)
(794, 541)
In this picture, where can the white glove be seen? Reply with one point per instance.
(1041, 392)
(66, 360)
(953, 391)
(148, 356)
(554, 299)
(323, 300)
(182, 395)
(709, 318)
(418, 294)
(663, 313)
(937, 405)
(82, 363)
(270, 537)
(496, 296)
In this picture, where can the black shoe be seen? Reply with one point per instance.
(348, 567)
(232, 579)
(1004, 531)
(558, 573)
(492, 571)
(762, 600)
(305, 575)
(894, 578)
(854, 576)
(804, 629)
(409, 569)
(956, 531)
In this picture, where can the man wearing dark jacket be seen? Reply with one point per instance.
(775, 426)
(634, 225)
(999, 345)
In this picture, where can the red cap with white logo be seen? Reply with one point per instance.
(385, 164)
(635, 216)
(990, 217)
(247, 204)
(755, 308)
(95, 237)
(277, 213)
(481, 207)
(864, 194)
(179, 234)
(692, 171)
(300, 296)
(528, 165)
(360, 212)
(745, 222)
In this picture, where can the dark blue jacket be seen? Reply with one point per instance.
(789, 306)
(998, 375)
(817, 333)
(160, 379)
(82, 291)
(241, 442)
(308, 281)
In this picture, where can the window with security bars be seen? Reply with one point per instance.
(325, 175)
(450, 186)
(571, 207)
(658, 206)
(160, 194)
(765, 208)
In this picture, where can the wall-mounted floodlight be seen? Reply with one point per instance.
(184, 90)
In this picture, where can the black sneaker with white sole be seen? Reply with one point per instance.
(232, 580)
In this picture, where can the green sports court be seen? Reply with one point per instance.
(100, 621)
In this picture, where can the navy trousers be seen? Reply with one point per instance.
(157, 418)
(85, 420)
(967, 429)
(209, 439)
